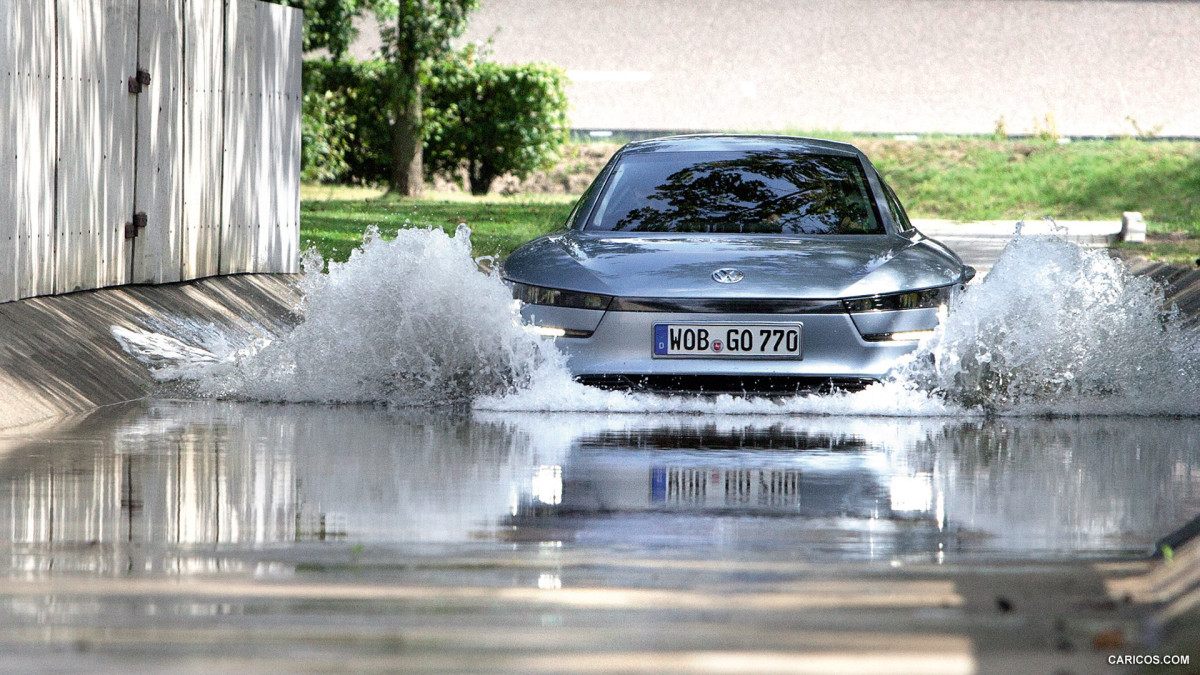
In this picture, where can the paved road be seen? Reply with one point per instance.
(953, 66)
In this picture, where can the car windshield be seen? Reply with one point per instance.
(747, 192)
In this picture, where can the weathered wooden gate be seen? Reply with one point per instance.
(28, 100)
(146, 141)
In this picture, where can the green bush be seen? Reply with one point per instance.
(492, 119)
(346, 105)
(327, 135)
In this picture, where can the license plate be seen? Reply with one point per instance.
(727, 340)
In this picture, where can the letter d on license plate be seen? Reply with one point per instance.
(728, 340)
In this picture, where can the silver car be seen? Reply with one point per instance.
(722, 263)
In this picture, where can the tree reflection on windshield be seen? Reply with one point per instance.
(759, 192)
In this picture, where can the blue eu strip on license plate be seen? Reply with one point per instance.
(728, 340)
(660, 338)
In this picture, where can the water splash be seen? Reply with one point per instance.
(555, 391)
(1053, 329)
(409, 321)
(158, 350)
(1058, 329)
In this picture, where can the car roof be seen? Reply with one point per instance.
(743, 142)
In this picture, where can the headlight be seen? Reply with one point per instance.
(538, 295)
(902, 336)
(926, 299)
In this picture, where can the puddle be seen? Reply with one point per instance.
(194, 486)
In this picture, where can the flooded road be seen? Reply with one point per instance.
(171, 486)
(411, 481)
(223, 536)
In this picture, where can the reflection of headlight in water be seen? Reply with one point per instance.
(547, 484)
(912, 493)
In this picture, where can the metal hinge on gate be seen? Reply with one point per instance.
(138, 223)
(140, 80)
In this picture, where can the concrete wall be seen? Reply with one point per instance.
(209, 150)
(894, 66)
(58, 354)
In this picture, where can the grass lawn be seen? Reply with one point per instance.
(983, 179)
(937, 177)
(979, 179)
(334, 220)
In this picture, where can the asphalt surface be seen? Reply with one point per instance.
(892, 66)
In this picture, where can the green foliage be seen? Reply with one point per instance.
(327, 135)
(358, 91)
(421, 30)
(493, 118)
(329, 24)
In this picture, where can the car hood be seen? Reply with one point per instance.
(682, 266)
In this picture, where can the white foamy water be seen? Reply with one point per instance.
(1053, 329)
(1059, 329)
(410, 321)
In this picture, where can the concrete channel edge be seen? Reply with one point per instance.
(58, 355)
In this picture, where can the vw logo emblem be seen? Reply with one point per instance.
(727, 275)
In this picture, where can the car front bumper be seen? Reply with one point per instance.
(619, 349)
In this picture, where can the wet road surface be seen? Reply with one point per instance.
(226, 536)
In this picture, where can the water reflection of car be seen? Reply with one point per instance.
(730, 263)
(793, 487)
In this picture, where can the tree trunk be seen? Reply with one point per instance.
(480, 176)
(407, 171)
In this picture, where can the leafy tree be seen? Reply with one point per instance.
(415, 33)
(329, 24)
(342, 111)
(326, 135)
(495, 118)
(421, 32)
